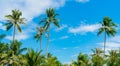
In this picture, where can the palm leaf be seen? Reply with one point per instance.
(18, 27)
(2, 36)
(55, 21)
(100, 31)
(8, 26)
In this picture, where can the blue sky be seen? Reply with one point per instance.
(79, 21)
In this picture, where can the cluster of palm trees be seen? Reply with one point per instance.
(98, 59)
(44, 28)
(11, 54)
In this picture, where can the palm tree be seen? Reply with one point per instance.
(3, 54)
(82, 60)
(113, 59)
(14, 53)
(51, 18)
(97, 58)
(16, 47)
(38, 36)
(52, 61)
(14, 20)
(108, 27)
(34, 58)
(10, 54)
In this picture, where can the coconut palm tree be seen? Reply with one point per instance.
(51, 61)
(10, 54)
(16, 47)
(109, 29)
(38, 36)
(82, 60)
(3, 54)
(97, 57)
(34, 58)
(14, 20)
(113, 59)
(51, 18)
(14, 53)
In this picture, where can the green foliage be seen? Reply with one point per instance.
(34, 58)
(51, 18)
(11, 54)
(108, 26)
(52, 61)
(109, 29)
(98, 57)
(14, 19)
(82, 60)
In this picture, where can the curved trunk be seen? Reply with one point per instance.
(104, 42)
(48, 41)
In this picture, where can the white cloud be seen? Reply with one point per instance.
(110, 46)
(115, 39)
(82, 29)
(2, 27)
(61, 27)
(29, 8)
(82, 1)
(18, 37)
(64, 37)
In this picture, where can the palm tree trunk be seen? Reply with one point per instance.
(48, 41)
(104, 42)
(14, 34)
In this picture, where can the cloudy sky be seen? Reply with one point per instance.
(79, 21)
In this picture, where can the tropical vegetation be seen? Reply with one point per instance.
(12, 54)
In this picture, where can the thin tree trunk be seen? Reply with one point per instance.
(14, 34)
(104, 42)
(48, 41)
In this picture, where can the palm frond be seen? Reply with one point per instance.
(18, 27)
(8, 25)
(101, 30)
(55, 21)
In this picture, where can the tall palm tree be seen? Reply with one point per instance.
(109, 29)
(51, 18)
(14, 20)
(38, 36)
